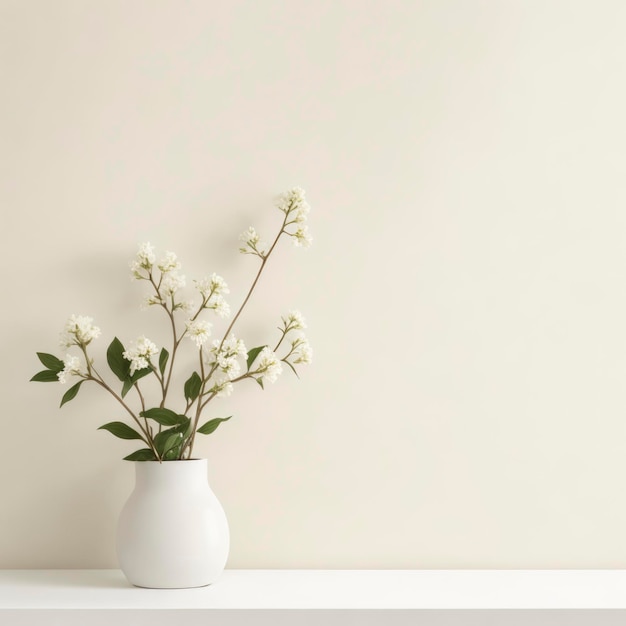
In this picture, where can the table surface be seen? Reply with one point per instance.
(323, 589)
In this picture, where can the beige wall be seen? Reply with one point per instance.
(465, 292)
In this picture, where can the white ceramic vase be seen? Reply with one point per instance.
(172, 532)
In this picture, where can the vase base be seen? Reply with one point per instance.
(172, 586)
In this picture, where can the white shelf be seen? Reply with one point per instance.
(321, 598)
(323, 589)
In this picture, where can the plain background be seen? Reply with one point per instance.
(464, 160)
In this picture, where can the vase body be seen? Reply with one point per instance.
(172, 532)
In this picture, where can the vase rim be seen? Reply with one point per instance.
(172, 461)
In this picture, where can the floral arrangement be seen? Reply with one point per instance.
(169, 434)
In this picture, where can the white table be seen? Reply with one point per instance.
(312, 597)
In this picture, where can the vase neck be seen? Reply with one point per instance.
(171, 474)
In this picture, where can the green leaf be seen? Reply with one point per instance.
(45, 376)
(121, 430)
(163, 357)
(166, 441)
(185, 429)
(260, 381)
(128, 385)
(192, 387)
(131, 380)
(211, 425)
(139, 374)
(253, 354)
(115, 357)
(173, 454)
(165, 417)
(145, 454)
(70, 394)
(51, 362)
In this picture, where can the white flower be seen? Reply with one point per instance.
(294, 321)
(234, 346)
(143, 261)
(230, 367)
(187, 306)
(213, 286)
(249, 237)
(268, 366)
(218, 285)
(79, 331)
(204, 287)
(301, 237)
(293, 204)
(139, 354)
(303, 352)
(150, 301)
(225, 358)
(211, 290)
(172, 282)
(72, 367)
(169, 263)
(221, 307)
(198, 331)
(222, 388)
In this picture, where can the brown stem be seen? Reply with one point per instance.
(172, 356)
(230, 327)
(160, 379)
(143, 404)
(284, 331)
(143, 408)
(189, 445)
(256, 280)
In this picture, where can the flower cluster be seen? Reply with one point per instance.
(300, 352)
(79, 331)
(212, 290)
(294, 321)
(140, 353)
(143, 261)
(296, 209)
(198, 331)
(301, 237)
(71, 367)
(169, 282)
(268, 365)
(224, 357)
(169, 263)
(293, 204)
(252, 244)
